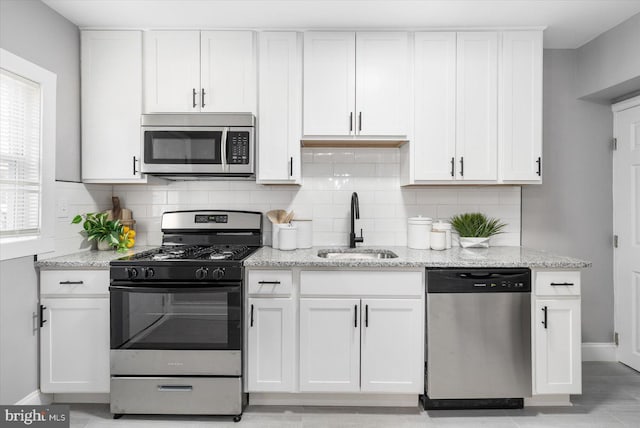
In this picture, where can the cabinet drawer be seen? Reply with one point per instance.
(76, 282)
(362, 283)
(270, 282)
(557, 283)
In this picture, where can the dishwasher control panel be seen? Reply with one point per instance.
(478, 280)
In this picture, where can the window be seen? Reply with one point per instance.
(27, 157)
(20, 185)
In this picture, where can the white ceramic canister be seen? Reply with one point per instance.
(305, 232)
(418, 232)
(275, 233)
(444, 226)
(287, 237)
(438, 240)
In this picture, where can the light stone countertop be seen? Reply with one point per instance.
(88, 259)
(455, 257)
(268, 257)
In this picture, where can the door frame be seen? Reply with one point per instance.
(616, 108)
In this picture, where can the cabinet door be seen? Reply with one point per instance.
(228, 71)
(329, 83)
(279, 107)
(557, 347)
(329, 345)
(382, 78)
(392, 346)
(74, 345)
(271, 351)
(111, 105)
(434, 106)
(477, 105)
(171, 71)
(521, 110)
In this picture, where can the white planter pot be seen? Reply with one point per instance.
(104, 246)
(466, 242)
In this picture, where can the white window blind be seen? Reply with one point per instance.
(20, 163)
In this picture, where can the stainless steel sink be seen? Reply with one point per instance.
(357, 254)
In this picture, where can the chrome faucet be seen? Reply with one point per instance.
(355, 214)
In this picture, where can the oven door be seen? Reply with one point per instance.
(176, 317)
(181, 150)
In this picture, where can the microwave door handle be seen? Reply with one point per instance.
(223, 145)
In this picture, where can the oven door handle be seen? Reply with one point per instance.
(164, 289)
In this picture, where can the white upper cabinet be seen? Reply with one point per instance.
(477, 106)
(111, 69)
(434, 134)
(329, 83)
(171, 71)
(355, 83)
(521, 106)
(190, 71)
(381, 83)
(279, 107)
(228, 79)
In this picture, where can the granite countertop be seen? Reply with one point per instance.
(268, 257)
(455, 257)
(88, 259)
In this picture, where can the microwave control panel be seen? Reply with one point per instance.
(238, 147)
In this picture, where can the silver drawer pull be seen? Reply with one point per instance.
(269, 282)
(556, 284)
(71, 282)
(175, 388)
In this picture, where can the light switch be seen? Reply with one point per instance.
(62, 208)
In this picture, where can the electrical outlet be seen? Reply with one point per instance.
(62, 208)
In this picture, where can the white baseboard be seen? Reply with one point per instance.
(596, 351)
(553, 400)
(82, 398)
(311, 399)
(36, 398)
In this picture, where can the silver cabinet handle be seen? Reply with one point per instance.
(360, 121)
(202, 98)
(71, 282)
(193, 98)
(461, 166)
(175, 388)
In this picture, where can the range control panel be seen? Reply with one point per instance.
(238, 148)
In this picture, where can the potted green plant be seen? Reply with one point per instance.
(97, 227)
(476, 229)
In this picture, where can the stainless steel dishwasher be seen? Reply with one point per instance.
(478, 338)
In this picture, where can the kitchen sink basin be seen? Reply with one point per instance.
(357, 254)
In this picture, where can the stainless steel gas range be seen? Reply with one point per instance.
(176, 317)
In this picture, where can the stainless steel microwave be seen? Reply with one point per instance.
(198, 144)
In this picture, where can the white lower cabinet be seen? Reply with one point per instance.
(74, 331)
(361, 345)
(392, 346)
(271, 340)
(329, 345)
(74, 345)
(557, 341)
(557, 346)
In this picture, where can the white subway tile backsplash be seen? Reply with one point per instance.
(329, 177)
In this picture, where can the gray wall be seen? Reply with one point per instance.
(609, 65)
(32, 30)
(18, 339)
(571, 212)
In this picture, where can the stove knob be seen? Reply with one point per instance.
(148, 272)
(132, 273)
(218, 273)
(202, 273)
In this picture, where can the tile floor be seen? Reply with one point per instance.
(611, 398)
